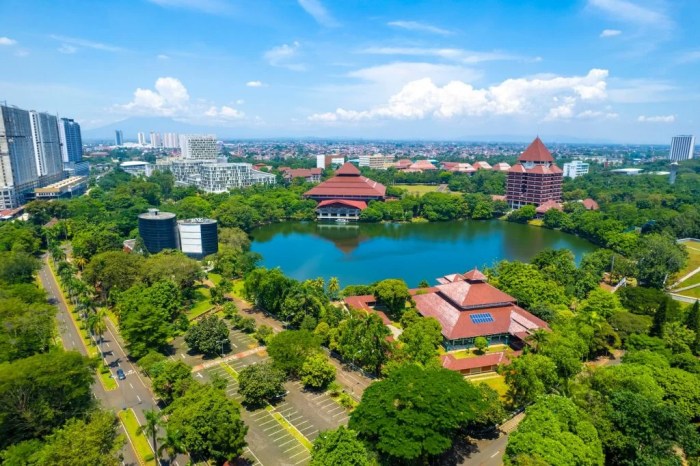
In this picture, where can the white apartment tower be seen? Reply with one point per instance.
(682, 148)
(142, 139)
(198, 146)
(575, 169)
(47, 146)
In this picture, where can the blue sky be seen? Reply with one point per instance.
(619, 70)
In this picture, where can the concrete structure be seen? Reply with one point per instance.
(325, 161)
(535, 179)
(311, 175)
(47, 147)
(137, 167)
(198, 147)
(198, 237)
(214, 176)
(575, 169)
(81, 168)
(71, 140)
(118, 137)
(376, 161)
(142, 139)
(345, 195)
(171, 140)
(156, 140)
(70, 187)
(468, 307)
(158, 230)
(682, 148)
(627, 171)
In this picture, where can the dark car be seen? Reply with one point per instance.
(120, 374)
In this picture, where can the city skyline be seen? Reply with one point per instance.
(312, 68)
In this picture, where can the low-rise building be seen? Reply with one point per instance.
(482, 165)
(137, 167)
(376, 161)
(70, 187)
(311, 175)
(575, 169)
(422, 165)
(326, 161)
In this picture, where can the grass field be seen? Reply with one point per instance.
(419, 189)
(215, 278)
(693, 292)
(107, 380)
(497, 382)
(138, 440)
(238, 289)
(693, 249)
(471, 353)
(202, 304)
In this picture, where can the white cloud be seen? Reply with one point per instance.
(7, 41)
(285, 56)
(225, 113)
(627, 11)
(67, 49)
(456, 55)
(169, 98)
(597, 114)
(316, 9)
(420, 27)
(74, 41)
(254, 84)
(206, 6)
(162, 56)
(656, 119)
(610, 33)
(551, 97)
(399, 73)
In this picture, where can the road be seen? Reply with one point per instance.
(132, 392)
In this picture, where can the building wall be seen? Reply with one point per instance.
(198, 239)
(575, 169)
(71, 140)
(18, 171)
(532, 188)
(159, 234)
(199, 147)
(118, 137)
(47, 146)
(682, 148)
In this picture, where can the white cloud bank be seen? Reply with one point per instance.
(254, 84)
(7, 41)
(547, 97)
(656, 119)
(170, 98)
(610, 33)
(419, 27)
(285, 56)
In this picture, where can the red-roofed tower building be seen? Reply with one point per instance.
(535, 179)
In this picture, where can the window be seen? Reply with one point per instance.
(484, 318)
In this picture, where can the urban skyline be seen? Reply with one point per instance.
(391, 70)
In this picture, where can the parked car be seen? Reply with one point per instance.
(120, 374)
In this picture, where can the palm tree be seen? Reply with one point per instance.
(96, 324)
(150, 428)
(170, 444)
(81, 262)
(537, 338)
(333, 287)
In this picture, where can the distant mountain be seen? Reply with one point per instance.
(132, 126)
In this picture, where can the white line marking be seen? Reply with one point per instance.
(132, 387)
(497, 451)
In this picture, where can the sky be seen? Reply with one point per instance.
(585, 70)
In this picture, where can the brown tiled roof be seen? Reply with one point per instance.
(475, 294)
(501, 166)
(482, 165)
(462, 168)
(550, 204)
(423, 165)
(590, 204)
(302, 172)
(362, 205)
(540, 169)
(498, 197)
(365, 303)
(348, 169)
(536, 152)
(475, 275)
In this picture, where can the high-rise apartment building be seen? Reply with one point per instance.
(535, 179)
(18, 172)
(575, 169)
(142, 139)
(171, 140)
(47, 146)
(198, 146)
(118, 137)
(71, 140)
(682, 148)
(155, 139)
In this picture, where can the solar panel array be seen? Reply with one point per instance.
(484, 318)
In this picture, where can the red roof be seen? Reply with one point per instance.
(462, 364)
(481, 165)
(540, 169)
(303, 172)
(590, 204)
(348, 169)
(365, 303)
(362, 205)
(536, 152)
(422, 165)
(475, 275)
(548, 205)
(501, 166)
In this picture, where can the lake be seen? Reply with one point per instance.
(364, 253)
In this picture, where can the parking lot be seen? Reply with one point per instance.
(269, 441)
(239, 342)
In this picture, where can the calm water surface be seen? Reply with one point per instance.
(364, 253)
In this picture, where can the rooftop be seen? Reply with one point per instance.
(348, 183)
(536, 152)
(155, 214)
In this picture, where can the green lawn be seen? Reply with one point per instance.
(215, 278)
(202, 304)
(471, 353)
(138, 440)
(238, 289)
(693, 292)
(419, 189)
(497, 382)
(107, 380)
(693, 249)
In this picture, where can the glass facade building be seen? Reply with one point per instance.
(71, 141)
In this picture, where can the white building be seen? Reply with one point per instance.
(198, 146)
(142, 139)
(325, 161)
(682, 148)
(376, 161)
(575, 169)
(137, 167)
(156, 140)
(47, 146)
(171, 140)
(215, 176)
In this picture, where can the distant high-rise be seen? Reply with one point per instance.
(47, 146)
(682, 148)
(197, 146)
(155, 139)
(142, 139)
(171, 140)
(71, 140)
(18, 172)
(118, 137)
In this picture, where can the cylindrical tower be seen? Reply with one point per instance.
(198, 237)
(158, 230)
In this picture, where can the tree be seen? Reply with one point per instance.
(150, 429)
(658, 257)
(421, 339)
(527, 284)
(289, 350)
(263, 334)
(339, 447)
(393, 294)
(171, 379)
(529, 377)
(601, 303)
(523, 214)
(41, 392)
(660, 319)
(27, 328)
(208, 336)
(333, 288)
(260, 383)
(555, 431)
(362, 340)
(84, 442)
(317, 372)
(113, 270)
(207, 424)
(415, 412)
(17, 267)
(144, 329)
(481, 343)
(678, 337)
